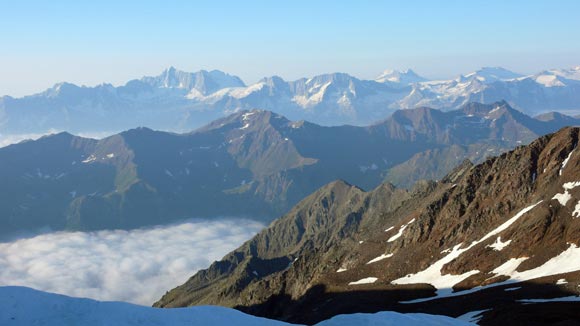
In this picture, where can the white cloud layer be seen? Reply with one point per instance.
(135, 266)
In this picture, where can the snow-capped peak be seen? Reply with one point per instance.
(405, 77)
(492, 74)
(273, 82)
(549, 80)
(571, 73)
(59, 89)
(205, 82)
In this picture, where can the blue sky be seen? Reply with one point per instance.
(90, 42)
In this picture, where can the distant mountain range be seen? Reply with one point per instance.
(500, 240)
(255, 164)
(179, 101)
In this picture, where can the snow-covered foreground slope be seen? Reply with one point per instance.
(389, 318)
(25, 306)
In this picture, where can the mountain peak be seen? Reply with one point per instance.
(557, 77)
(58, 135)
(203, 81)
(476, 108)
(139, 131)
(244, 120)
(59, 88)
(492, 74)
(170, 70)
(331, 77)
(273, 81)
(405, 77)
(557, 116)
(492, 111)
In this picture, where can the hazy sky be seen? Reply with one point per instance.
(90, 42)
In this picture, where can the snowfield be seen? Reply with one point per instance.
(24, 306)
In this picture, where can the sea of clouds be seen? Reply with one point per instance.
(136, 266)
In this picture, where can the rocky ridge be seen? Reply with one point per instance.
(495, 237)
(251, 163)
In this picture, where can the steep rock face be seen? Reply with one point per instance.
(511, 222)
(318, 223)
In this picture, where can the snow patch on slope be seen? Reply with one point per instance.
(444, 283)
(432, 275)
(473, 316)
(566, 262)
(379, 258)
(89, 159)
(498, 245)
(400, 233)
(509, 267)
(576, 212)
(563, 198)
(565, 162)
(549, 81)
(367, 280)
(561, 281)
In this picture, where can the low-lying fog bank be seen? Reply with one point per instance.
(135, 266)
